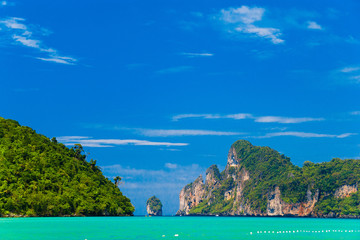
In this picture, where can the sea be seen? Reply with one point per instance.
(195, 228)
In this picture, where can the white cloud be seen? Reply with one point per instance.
(275, 119)
(59, 59)
(27, 42)
(14, 23)
(198, 54)
(20, 33)
(243, 14)
(241, 20)
(307, 135)
(184, 132)
(272, 33)
(171, 165)
(166, 183)
(349, 74)
(175, 69)
(313, 25)
(90, 142)
(350, 69)
(355, 77)
(355, 113)
(239, 116)
(184, 172)
(206, 116)
(4, 3)
(212, 116)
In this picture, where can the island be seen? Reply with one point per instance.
(41, 177)
(154, 206)
(259, 181)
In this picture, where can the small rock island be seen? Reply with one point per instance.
(154, 206)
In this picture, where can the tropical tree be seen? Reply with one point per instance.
(117, 180)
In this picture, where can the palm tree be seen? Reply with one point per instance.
(117, 180)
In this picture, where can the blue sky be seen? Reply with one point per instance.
(157, 91)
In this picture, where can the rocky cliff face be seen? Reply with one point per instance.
(258, 181)
(191, 195)
(345, 191)
(154, 206)
(277, 207)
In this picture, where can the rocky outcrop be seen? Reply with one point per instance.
(212, 180)
(345, 191)
(232, 160)
(154, 206)
(277, 207)
(191, 195)
(258, 181)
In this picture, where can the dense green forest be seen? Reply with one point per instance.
(41, 177)
(268, 168)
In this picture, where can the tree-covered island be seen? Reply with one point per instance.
(41, 177)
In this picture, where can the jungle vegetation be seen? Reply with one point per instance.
(41, 177)
(268, 168)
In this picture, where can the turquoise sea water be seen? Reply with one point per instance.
(111, 228)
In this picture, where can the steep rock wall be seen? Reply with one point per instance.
(345, 191)
(191, 195)
(277, 207)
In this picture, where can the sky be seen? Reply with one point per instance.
(157, 91)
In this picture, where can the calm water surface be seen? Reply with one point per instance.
(110, 228)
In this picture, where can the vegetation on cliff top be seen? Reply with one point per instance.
(154, 203)
(41, 177)
(268, 168)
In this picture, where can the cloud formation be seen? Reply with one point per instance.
(90, 142)
(349, 73)
(198, 54)
(166, 183)
(242, 20)
(307, 135)
(184, 132)
(349, 69)
(17, 32)
(274, 119)
(239, 116)
(313, 25)
(211, 116)
(174, 70)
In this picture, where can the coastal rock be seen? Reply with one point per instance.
(191, 195)
(345, 191)
(259, 181)
(154, 206)
(277, 207)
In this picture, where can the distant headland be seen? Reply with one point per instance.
(259, 181)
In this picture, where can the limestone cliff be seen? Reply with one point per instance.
(191, 195)
(277, 207)
(345, 191)
(154, 206)
(258, 181)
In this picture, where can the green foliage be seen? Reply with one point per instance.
(214, 171)
(41, 177)
(268, 168)
(154, 203)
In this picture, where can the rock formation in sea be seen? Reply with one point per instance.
(259, 181)
(154, 206)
